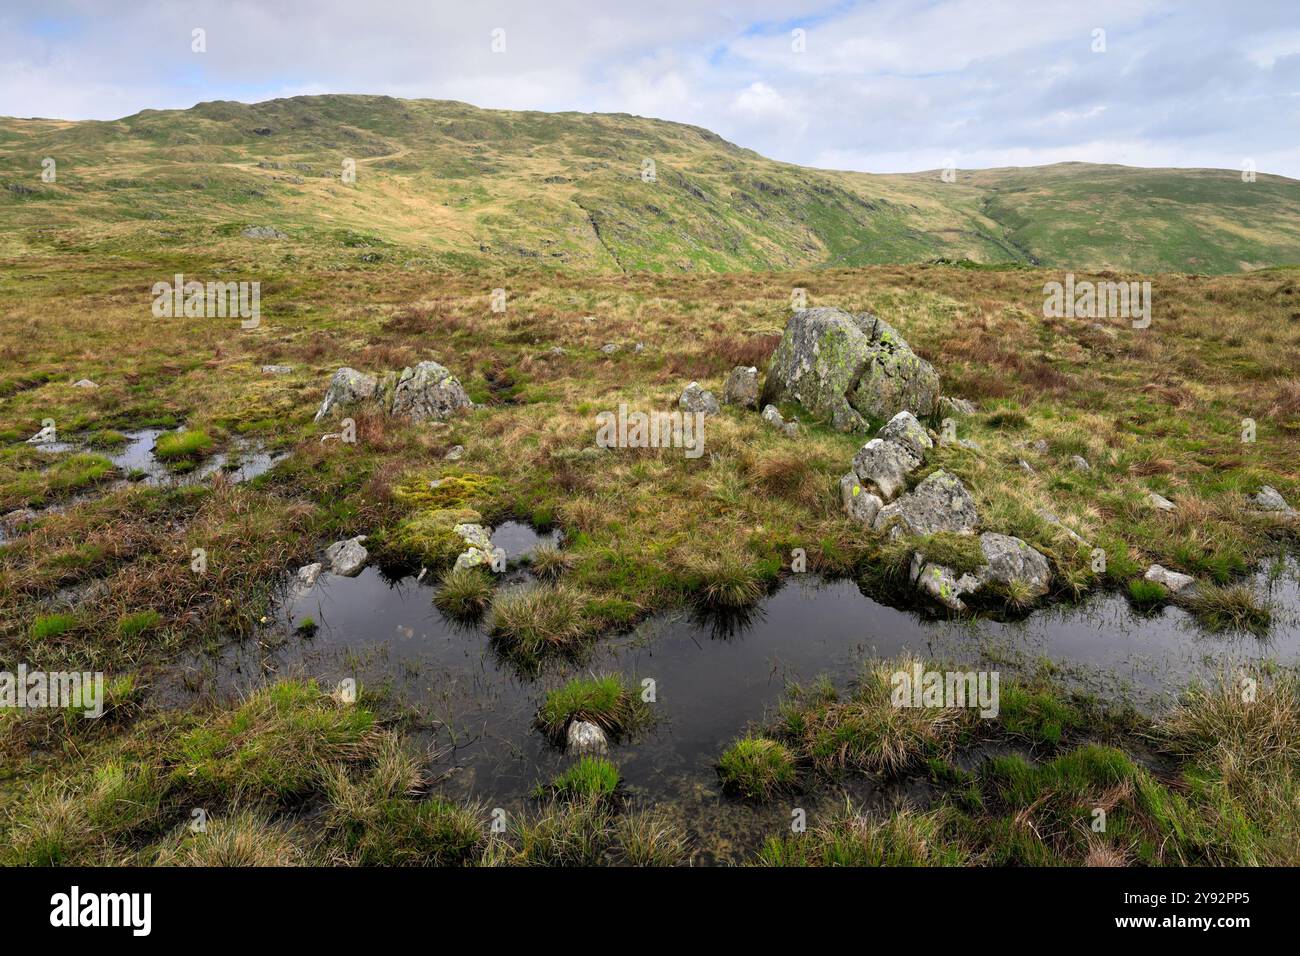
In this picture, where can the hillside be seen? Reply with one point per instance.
(445, 184)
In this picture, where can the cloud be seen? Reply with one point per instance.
(881, 86)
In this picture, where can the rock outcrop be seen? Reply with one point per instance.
(939, 503)
(425, 393)
(848, 369)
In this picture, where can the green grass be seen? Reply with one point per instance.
(606, 701)
(1147, 594)
(183, 446)
(47, 626)
(757, 768)
(535, 621)
(590, 778)
(131, 626)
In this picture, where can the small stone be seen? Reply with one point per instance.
(584, 737)
(1079, 463)
(1026, 467)
(455, 453)
(1172, 581)
(1160, 502)
(1012, 561)
(1269, 499)
(609, 348)
(955, 406)
(264, 232)
(276, 369)
(84, 383)
(347, 557)
(43, 437)
(696, 398)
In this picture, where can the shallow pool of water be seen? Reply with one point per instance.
(712, 679)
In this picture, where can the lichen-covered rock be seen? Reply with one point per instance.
(903, 429)
(348, 387)
(1012, 562)
(1269, 499)
(428, 392)
(941, 583)
(263, 232)
(939, 503)
(1160, 502)
(885, 465)
(584, 737)
(741, 387)
(859, 503)
(347, 557)
(1079, 463)
(949, 406)
(1172, 581)
(696, 398)
(772, 415)
(849, 368)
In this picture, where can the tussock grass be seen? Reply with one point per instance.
(757, 767)
(188, 445)
(591, 778)
(904, 838)
(606, 701)
(1229, 608)
(539, 620)
(465, 592)
(549, 562)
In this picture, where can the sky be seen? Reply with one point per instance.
(885, 86)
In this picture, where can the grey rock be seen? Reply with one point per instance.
(859, 503)
(347, 387)
(940, 583)
(84, 383)
(1025, 466)
(696, 398)
(903, 429)
(939, 503)
(1012, 561)
(1053, 519)
(13, 522)
(584, 737)
(455, 453)
(428, 392)
(955, 406)
(347, 557)
(885, 465)
(43, 437)
(773, 417)
(741, 387)
(1079, 463)
(848, 368)
(1270, 499)
(1173, 581)
(276, 369)
(264, 232)
(609, 348)
(1160, 502)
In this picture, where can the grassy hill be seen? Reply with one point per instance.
(445, 184)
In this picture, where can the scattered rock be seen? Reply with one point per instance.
(17, 520)
(347, 557)
(1269, 499)
(741, 387)
(849, 368)
(609, 348)
(1160, 502)
(969, 443)
(859, 504)
(903, 429)
(1079, 463)
(885, 466)
(428, 392)
(939, 503)
(479, 550)
(305, 578)
(941, 583)
(347, 387)
(84, 383)
(43, 437)
(584, 737)
(772, 415)
(263, 232)
(1026, 467)
(1172, 581)
(1051, 518)
(696, 398)
(1012, 561)
(455, 453)
(276, 369)
(955, 406)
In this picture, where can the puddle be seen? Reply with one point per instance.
(712, 679)
(519, 540)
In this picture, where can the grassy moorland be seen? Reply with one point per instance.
(100, 575)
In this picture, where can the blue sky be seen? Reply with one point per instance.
(883, 86)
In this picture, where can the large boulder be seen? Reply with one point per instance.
(849, 368)
(885, 466)
(428, 392)
(348, 387)
(939, 503)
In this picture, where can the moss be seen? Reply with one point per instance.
(47, 626)
(183, 446)
(427, 537)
